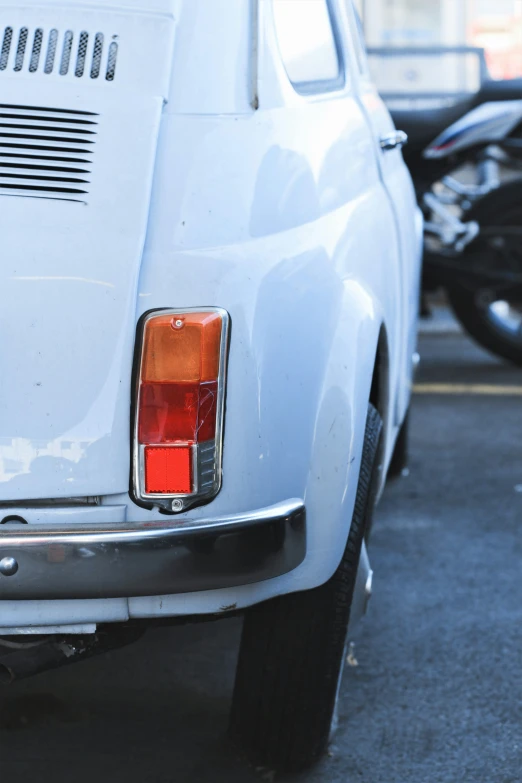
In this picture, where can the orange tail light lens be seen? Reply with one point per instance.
(179, 413)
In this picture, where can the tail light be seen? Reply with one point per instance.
(179, 410)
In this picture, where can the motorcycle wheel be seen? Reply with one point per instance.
(492, 314)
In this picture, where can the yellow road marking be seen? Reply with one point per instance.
(468, 388)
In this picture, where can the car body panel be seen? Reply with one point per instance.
(70, 267)
(408, 216)
(274, 207)
(67, 297)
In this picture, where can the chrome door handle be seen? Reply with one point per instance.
(394, 141)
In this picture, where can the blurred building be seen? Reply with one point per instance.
(495, 25)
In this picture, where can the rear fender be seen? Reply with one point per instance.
(339, 431)
(334, 462)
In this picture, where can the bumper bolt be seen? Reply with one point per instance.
(8, 566)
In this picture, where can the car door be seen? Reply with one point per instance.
(398, 184)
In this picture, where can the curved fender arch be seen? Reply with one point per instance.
(334, 463)
(339, 430)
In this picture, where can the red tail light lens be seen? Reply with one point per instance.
(169, 412)
(180, 407)
(168, 470)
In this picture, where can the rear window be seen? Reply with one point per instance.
(307, 40)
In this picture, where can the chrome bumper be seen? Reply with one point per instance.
(160, 558)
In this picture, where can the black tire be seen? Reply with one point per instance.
(503, 207)
(292, 648)
(399, 460)
(480, 329)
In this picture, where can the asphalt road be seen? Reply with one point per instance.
(437, 692)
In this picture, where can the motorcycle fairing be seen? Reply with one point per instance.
(488, 123)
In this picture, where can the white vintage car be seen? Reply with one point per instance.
(209, 284)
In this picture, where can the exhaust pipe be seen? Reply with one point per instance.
(33, 658)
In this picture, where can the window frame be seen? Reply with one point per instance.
(320, 86)
(358, 40)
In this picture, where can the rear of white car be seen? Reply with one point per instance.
(209, 272)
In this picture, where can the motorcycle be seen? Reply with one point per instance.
(469, 185)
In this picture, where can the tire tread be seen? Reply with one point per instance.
(287, 675)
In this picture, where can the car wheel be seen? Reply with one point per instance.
(293, 647)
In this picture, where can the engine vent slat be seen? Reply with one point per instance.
(66, 53)
(34, 137)
(41, 188)
(47, 109)
(97, 55)
(36, 167)
(44, 178)
(45, 148)
(82, 54)
(37, 118)
(37, 48)
(111, 62)
(51, 51)
(52, 139)
(52, 129)
(25, 156)
(6, 48)
(60, 53)
(20, 49)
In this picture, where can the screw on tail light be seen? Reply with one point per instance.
(179, 407)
